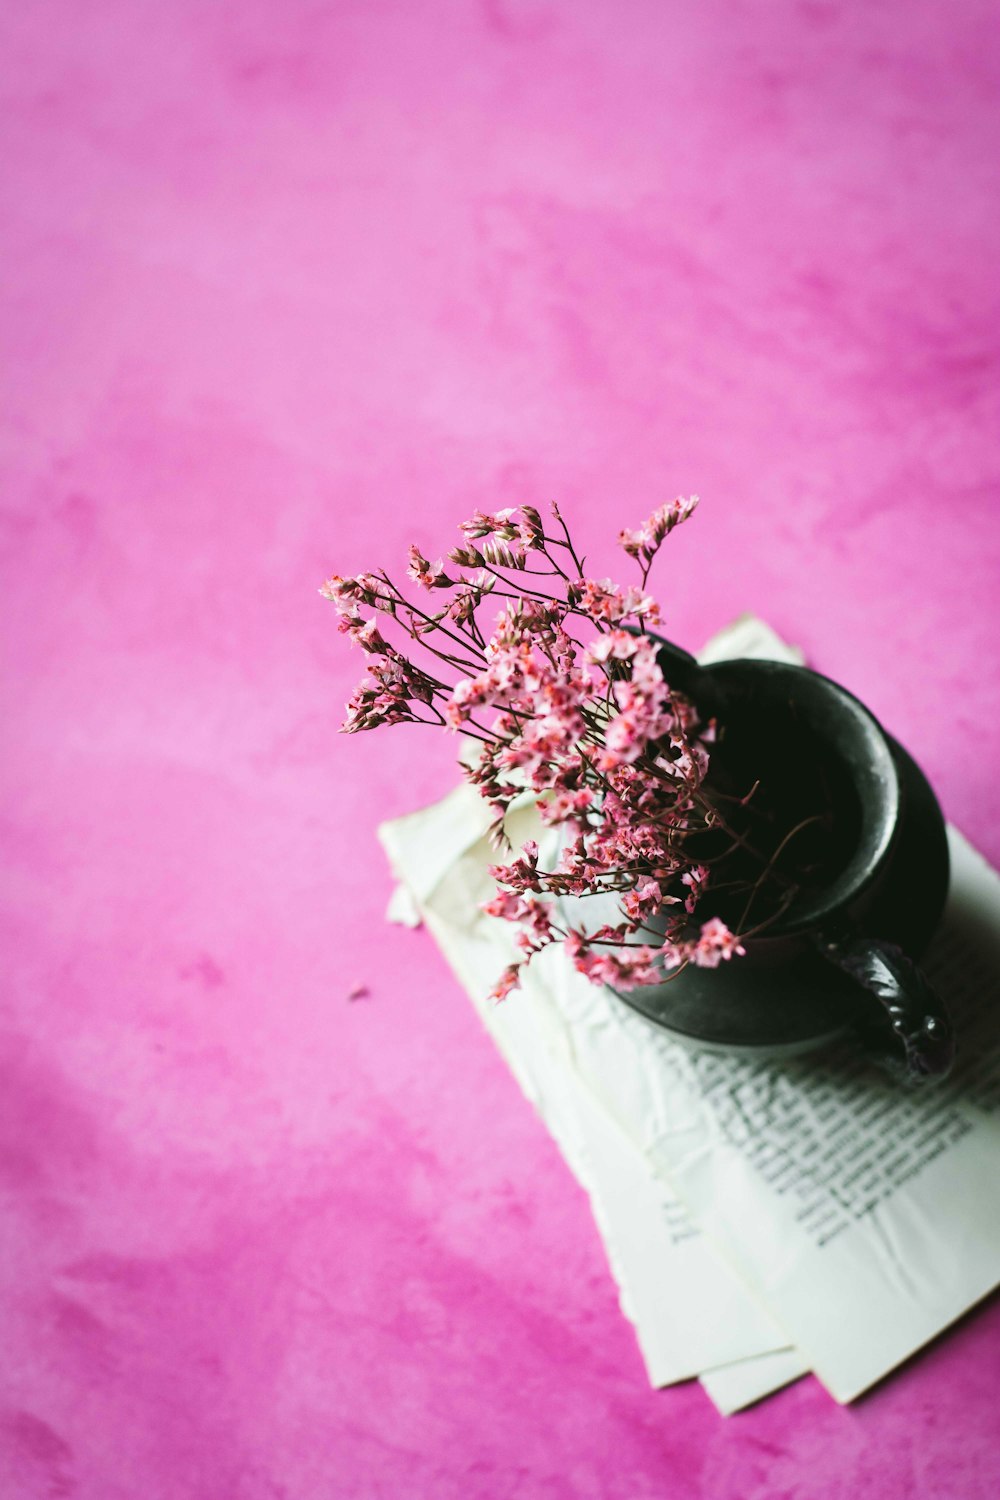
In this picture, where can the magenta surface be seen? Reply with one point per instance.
(288, 285)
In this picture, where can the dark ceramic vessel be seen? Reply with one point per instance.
(844, 956)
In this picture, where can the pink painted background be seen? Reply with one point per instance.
(288, 285)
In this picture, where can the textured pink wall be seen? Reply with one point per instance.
(287, 286)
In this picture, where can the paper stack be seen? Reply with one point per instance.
(761, 1219)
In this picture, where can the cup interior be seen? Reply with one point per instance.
(811, 743)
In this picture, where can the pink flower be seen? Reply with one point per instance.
(617, 645)
(468, 595)
(374, 591)
(367, 588)
(482, 523)
(644, 542)
(429, 575)
(644, 900)
(521, 525)
(509, 980)
(370, 706)
(369, 638)
(622, 968)
(566, 806)
(334, 588)
(479, 525)
(522, 873)
(696, 879)
(715, 944)
(623, 743)
(663, 521)
(343, 595)
(530, 528)
(635, 542)
(606, 603)
(507, 905)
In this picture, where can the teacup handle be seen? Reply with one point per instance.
(900, 1017)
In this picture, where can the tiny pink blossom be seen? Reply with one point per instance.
(715, 944)
(696, 879)
(430, 575)
(644, 900)
(374, 591)
(369, 638)
(335, 588)
(509, 980)
(644, 542)
(483, 524)
(634, 542)
(617, 645)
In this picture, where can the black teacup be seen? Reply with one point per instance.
(842, 955)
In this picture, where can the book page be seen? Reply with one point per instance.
(864, 1214)
(732, 1388)
(650, 1238)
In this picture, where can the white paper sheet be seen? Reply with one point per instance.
(732, 1388)
(690, 1311)
(867, 1216)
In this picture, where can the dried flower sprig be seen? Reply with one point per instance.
(614, 756)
